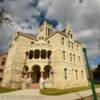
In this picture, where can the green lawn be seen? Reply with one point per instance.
(4, 90)
(55, 91)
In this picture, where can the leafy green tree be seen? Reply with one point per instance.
(96, 73)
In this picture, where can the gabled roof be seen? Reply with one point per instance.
(62, 35)
(28, 35)
(34, 36)
(56, 33)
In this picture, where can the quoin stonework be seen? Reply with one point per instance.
(52, 56)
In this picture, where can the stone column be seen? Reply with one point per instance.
(46, 54)
(42, 81)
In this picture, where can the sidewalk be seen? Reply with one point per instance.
(33, 94)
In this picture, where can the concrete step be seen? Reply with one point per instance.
(34, 86)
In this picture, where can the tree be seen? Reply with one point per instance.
(3, 14)
(96, 73)
(98, 66)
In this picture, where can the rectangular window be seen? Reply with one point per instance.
(48, 42)
(3, 62)
(63, 55)
(72, 45)
(65, 73)
(71, 36)
(74, 57)
(69, 44)
(77, 46)
(76, 71)
(70, 57)
(82, 74)
(62, 40)
(1, 70)
(32, 42)
(79, 59)
(48, 31)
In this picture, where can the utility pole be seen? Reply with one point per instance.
(90, 75)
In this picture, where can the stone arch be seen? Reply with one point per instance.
(47, 70)
(35, 73)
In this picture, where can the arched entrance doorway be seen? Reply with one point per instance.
(47, 70)
(35, 74)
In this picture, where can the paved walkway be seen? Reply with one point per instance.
(33, 94)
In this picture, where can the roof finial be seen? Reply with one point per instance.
(68, 28)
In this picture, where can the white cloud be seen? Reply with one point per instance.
(84, 18)
(85, 33)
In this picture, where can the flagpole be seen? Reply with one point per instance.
(90, 75)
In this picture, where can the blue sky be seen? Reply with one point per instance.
(28, 15)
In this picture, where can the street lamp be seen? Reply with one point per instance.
(90, 75)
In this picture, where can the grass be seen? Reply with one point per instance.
(55, 91)
(4, 90)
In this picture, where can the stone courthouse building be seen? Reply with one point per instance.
(54, 56)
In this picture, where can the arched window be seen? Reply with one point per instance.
(43, 54)
(49, 54)
(25, 68)
(36, 54)
(30, 54)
